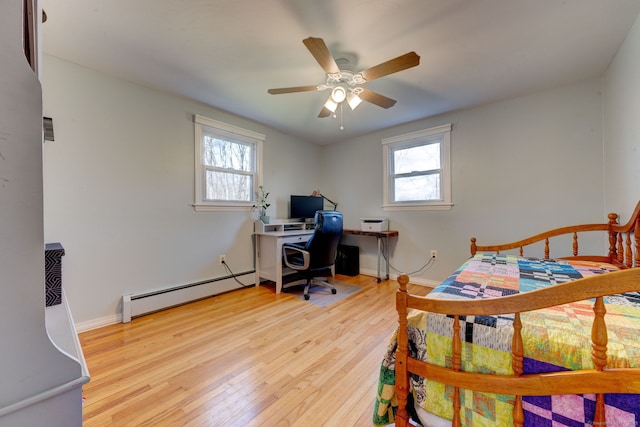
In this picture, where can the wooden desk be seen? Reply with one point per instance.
(269, 253)
(379, 235)
(271, 237)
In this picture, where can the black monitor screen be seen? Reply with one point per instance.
(305, 207)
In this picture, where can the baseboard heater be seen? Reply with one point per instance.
(134, 305)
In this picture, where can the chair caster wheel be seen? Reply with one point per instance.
(333, 291)
(306, 297)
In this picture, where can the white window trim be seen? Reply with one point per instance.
(205, 205)
(445, 179)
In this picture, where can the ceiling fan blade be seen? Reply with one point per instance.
(377, 99)
(321, 53)
(394, 65)
(292, 89)
(325, 112)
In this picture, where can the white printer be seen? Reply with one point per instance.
(374, 224)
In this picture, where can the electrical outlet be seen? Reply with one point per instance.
(222, 259)
(434, 254)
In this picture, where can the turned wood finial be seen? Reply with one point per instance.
(474, 248)
(403, 280)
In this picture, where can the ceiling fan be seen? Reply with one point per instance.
(345, 84)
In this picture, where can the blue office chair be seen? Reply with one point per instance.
(315, 258)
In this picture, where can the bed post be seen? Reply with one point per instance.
(456, 364)
(628, 253)
(613, 220)
(474, 248)
(599, 339)
(402, 353)
(546, 248)
(517, 357)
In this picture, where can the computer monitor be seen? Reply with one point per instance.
(305, 207)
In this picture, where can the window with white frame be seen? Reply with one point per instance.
(228, 165)
(417, 170)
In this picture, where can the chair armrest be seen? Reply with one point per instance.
(297, 253)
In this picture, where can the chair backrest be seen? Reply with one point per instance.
(323, 244)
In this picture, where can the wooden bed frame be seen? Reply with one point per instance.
(624, 252)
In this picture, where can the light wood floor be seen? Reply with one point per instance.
(248, 357)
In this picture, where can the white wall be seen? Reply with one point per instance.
(119, 183)
(518, 167)
(119, 180)
(622, 126)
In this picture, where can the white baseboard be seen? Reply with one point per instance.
(99, 322)
(394, 276)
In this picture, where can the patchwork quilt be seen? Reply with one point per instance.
(555, 339)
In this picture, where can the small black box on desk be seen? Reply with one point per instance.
(348, 260)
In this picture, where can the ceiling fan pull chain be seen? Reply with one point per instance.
(341, 117)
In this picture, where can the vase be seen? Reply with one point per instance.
(264, 219)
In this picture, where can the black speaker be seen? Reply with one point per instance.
(348, 260)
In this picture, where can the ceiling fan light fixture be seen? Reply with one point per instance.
(338, 94)
(353, 100)
(331, 105)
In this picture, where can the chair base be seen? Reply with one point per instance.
(307, 284)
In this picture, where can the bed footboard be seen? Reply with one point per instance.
(599, 380)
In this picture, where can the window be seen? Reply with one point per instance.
(416, 170)
(227, 165)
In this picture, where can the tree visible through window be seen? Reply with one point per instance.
(416, 170)
(227, 165)
(229, 169)
(417, 173)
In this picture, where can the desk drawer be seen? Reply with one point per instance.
(296, 239)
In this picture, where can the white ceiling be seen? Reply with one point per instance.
(227, 53)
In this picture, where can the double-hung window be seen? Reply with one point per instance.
(227, 165)
(417, 170)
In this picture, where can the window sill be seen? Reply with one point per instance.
(221, 208)
(418, 207)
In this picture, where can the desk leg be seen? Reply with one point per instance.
(379, 253)
(257, 260)
(386, 255)
(278, 264)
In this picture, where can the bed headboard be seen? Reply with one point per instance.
(624, 241)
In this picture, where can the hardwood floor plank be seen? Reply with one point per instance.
(247, 357)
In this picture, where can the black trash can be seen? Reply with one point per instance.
(348, 260)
